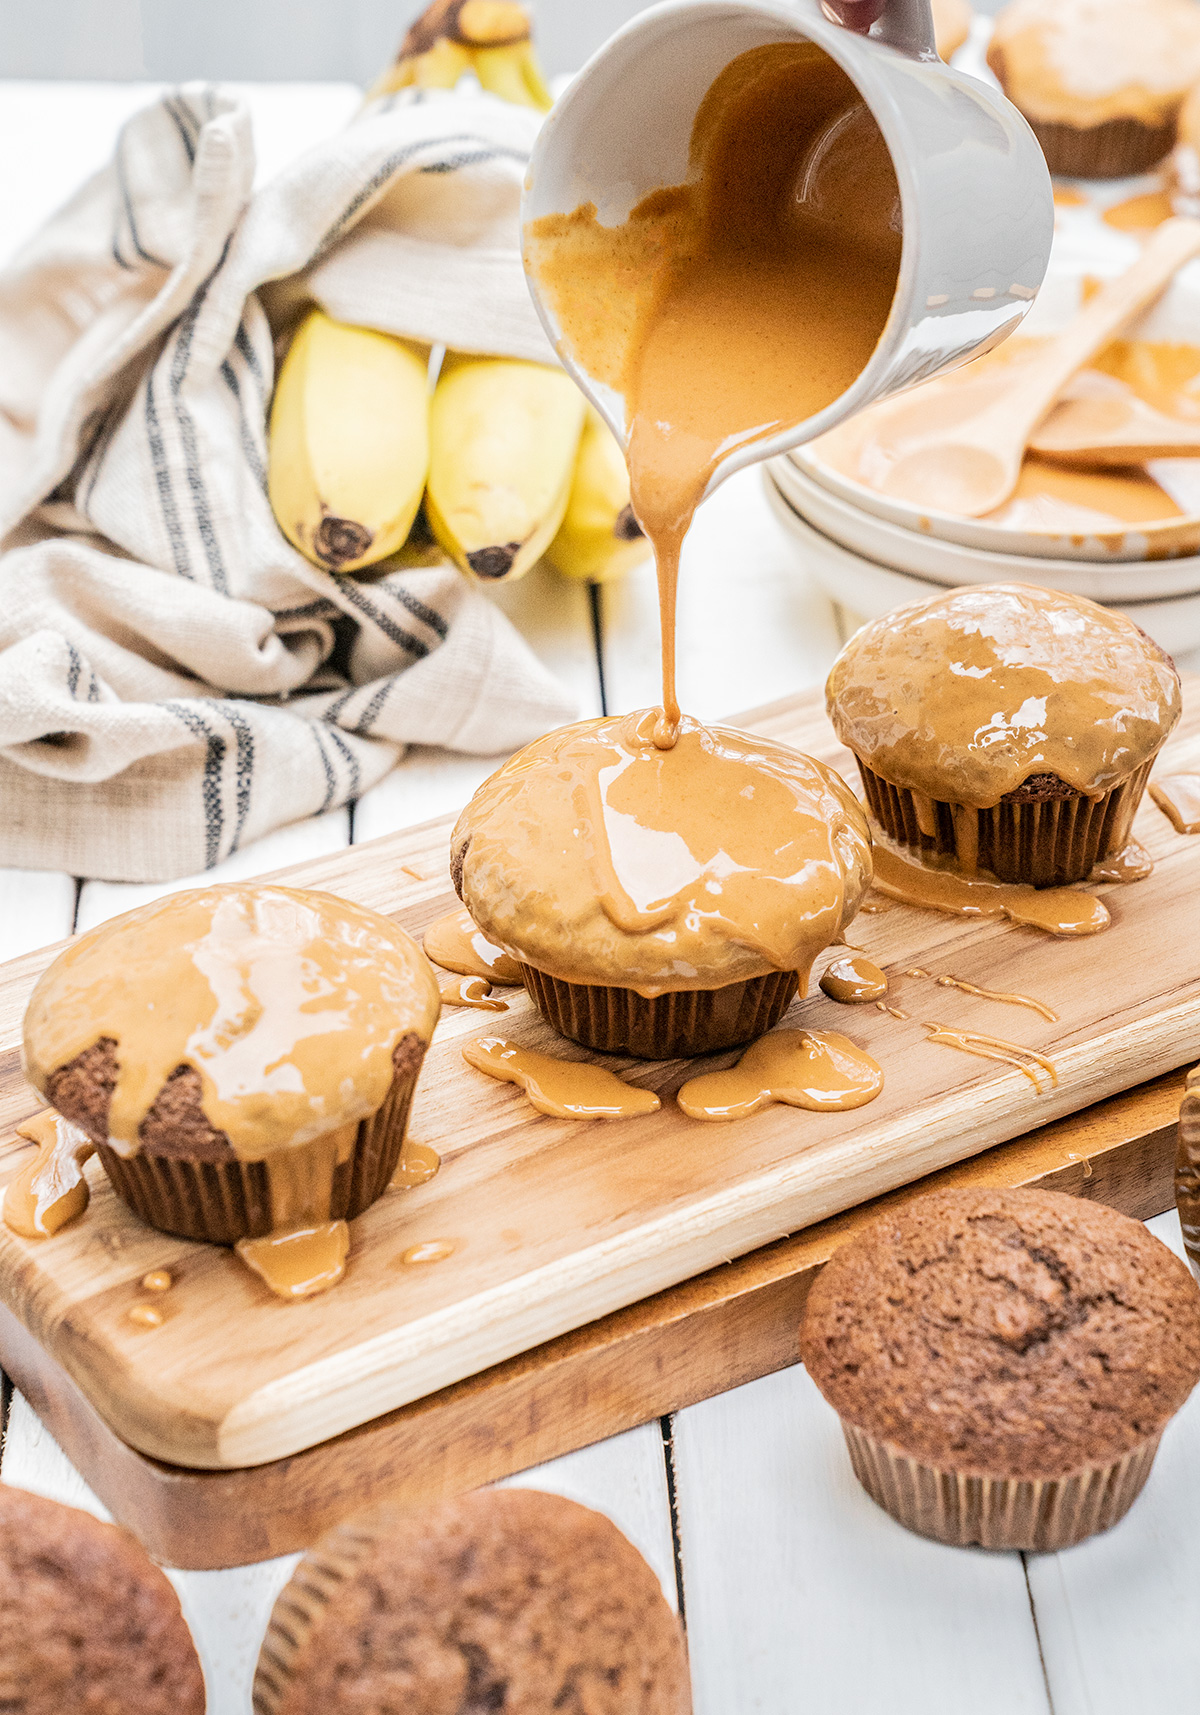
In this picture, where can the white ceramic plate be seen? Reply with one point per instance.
(867, 588)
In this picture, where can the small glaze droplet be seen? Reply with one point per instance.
(850, 981)
(146, 1315)
(471, 991)
(158, 1280)
(418, 1164)
(432, 1250)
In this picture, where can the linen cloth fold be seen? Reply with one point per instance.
(175, 679)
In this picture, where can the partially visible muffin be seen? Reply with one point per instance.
(1100, 81)
(88, 1624)
(1008, 727)
(243, 1057)
(661, 902)
(1003, 1362)
(951, 26)
(505, 1599)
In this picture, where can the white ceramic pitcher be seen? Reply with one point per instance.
(976, 199)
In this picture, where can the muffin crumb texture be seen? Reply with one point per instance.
(503, 1600)
(88, 1624)
(1023, 1334)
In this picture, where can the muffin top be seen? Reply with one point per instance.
(966, 696)
(286, 1006)
(951, 25)
(87, 1621)
(1008, 1333)
(1084, 62)
(502, 1599)
(598, 858)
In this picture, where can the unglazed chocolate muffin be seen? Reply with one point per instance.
(88, 1624)
(1008, 727)
(1100, 81)
(661, 901)
(243, 1057)
(505, 1599)
(1003, 1362)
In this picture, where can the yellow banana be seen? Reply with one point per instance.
(599, 539)
(503, 438)
(451, 37)
(349, 443)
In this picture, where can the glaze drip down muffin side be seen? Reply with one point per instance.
(1005, 728)
(243, 1057)
(661, 902)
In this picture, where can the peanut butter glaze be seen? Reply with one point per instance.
(286, 1003)
(964, 697)
(850, 981)
(719, 308)
(1026, 1060)
(457, 945)
(49, 1190)
(564, 1089)
(1132, 863)
(471, 991)
(818, 1069)
(1054, 910)
(948, 982)
(716, 861)
(1178, 797)
(1083, 62)
(418, 1165)
(301, 1261)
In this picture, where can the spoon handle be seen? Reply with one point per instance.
(1175, 242)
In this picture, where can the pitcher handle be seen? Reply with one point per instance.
(903, 24)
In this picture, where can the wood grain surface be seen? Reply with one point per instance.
(718, 1331)
(556, 1223)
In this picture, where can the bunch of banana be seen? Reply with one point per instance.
(489, 37)
(599, 538)
(503, 441)
(349, 442)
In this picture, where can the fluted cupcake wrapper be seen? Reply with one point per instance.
(668, 1027)
(969, 1511)
(224, 1201)
(301, 1603)
(1112, 150)
(1045, 842)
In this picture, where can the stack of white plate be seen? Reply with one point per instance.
(872, 553)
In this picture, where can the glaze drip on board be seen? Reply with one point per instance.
(1054, 910)
(50, 1190)
(1132, 863)
(455, 943)
(1001, 995)
(564, 1089)
(718, 308)
(1178, 797)
(471, 991)
(817, 1069)
(851, 981)
(301, 1261)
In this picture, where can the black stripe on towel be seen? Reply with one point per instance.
(210, 787)
(364, 722)
(162, 482)
(427, 615)
(389, 166)
(350, 759)
(175, 109)
(123, 184)
(187, 429)
(382, 621)
(243, 762)
(330, 776)
(249, 447)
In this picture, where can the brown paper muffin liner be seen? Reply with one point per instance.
(969, 1511)
(1113, 150)
(1043, 841)
(224, 1201)
(669, 1027)
(300, 1604)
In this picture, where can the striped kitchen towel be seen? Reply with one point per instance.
(175, 679)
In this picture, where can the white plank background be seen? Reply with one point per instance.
(801, 1597)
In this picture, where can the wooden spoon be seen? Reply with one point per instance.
(973, 468)
(1102, 422)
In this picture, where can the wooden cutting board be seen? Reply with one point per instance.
(555, 1223)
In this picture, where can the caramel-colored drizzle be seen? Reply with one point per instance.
(145, 1315)
(1026, 1060)
(817, 1069)
(300, 1261)
(565, 1089)
(892, 1011)
(158, 1280)
(947, 982)
(1132, 863)
(849, 981)
(457, 945)
(1178, 797)
(418, 1164)
(471, 991)
(430, 1250)
(50, 1190)
(1054, 910)
(719, 308)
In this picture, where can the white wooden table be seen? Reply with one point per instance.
(800, 1597)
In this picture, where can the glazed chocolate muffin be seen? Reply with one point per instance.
(1003, 1362)
(661, 902)
(1100, 81)
(1006, 727)
(87, 1621)
(242, 1057)
(502, 1600)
